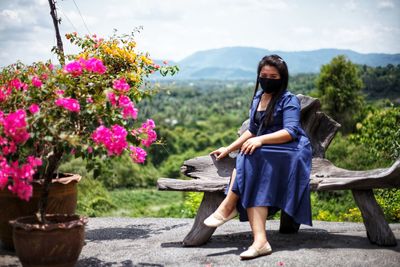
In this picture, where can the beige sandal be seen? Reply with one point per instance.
(253, 252)
(216, 219)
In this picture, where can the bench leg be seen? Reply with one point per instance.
(200, 233)
(378, 230)
(288, 225)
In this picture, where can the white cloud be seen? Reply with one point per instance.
(351, 5)
(9, 14)
(385, 4)
(42, 2)
(176, 28)
(303, 30)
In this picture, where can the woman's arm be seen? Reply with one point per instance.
(224, 151)
(291, 125)
(278, 137)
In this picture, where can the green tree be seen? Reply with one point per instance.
(379, 132)
(339, 89)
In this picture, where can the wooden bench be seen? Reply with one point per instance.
(212, 177)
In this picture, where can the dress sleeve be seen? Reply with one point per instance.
(252, 126)
(291, 116)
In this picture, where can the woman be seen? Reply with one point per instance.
(273, 167)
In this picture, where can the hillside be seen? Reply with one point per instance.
(241, 62)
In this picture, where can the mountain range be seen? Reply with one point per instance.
(241, 62)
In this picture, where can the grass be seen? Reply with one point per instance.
(142, 202)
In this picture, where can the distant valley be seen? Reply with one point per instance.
(241, 62)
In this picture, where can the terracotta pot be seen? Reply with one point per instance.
(58, 242)
(62, 199)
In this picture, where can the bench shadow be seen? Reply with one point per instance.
(95, 262)
(132, 232)
(304, 239)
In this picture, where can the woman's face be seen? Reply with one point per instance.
(269, 72)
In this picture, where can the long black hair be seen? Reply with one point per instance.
(277, 62)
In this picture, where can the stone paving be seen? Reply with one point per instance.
(157, 242)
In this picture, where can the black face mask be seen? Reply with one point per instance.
(270, 85)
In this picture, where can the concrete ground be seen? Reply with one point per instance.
(157, 242)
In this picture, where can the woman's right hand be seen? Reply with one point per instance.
(220, 153)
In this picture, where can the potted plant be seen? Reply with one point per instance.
(85, 109)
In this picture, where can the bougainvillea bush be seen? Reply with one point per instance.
(85, 108)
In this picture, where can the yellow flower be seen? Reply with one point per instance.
(132, 44)
(323, 215)
(146, 60)
(84, 55)
(133, 77)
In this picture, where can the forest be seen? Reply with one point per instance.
(194, 117)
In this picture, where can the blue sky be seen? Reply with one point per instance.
(174, 29)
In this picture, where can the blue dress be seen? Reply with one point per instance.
(276, 175)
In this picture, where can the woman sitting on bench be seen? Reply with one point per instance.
(273, 167)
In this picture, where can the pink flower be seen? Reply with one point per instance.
(26, 171)
(128, 109)
(4, 93)
(165, 62)
(73, 68)
(90, 150)
(113, 139)
(119, 138)
(17, 84)
(89, 100)
(111, 97)
(101, 135)
(51, 66)
(10, 149)
(4, 172)
(151, 138)
(60, 92)
(149, 124)
(94, 65)
(22, 189)
(147, 130)
(68, 103)
(137, 154)
(35, 162)
(22, 176)
(124, 101)
(3, 179)
(91, 65)
(36, 81)
(121, 85)
(15, 126)
(44, 76)
(34, 108)
(129, 112)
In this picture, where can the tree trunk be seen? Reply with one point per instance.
(48, 175)
(56, 21)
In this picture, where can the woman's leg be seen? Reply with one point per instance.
(257, 218)
(229, 203)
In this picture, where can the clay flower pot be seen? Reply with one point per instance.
(62, 199)
(58, 242)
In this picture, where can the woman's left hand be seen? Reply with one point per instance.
(250, 145)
